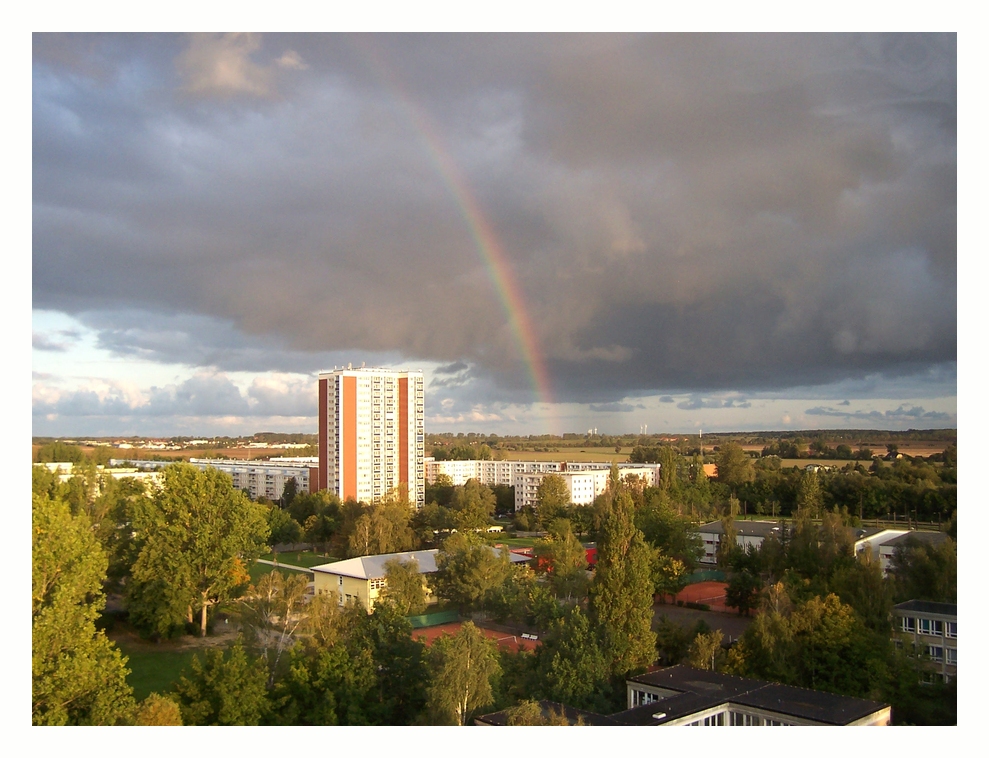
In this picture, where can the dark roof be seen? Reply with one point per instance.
(698, 690)
(705, 689)
(744, 528)
(928, 606)
(823, 707)
(933, 538)
(572, 714)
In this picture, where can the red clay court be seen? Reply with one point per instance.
(505, 641)
(710, 593)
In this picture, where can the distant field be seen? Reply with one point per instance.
(576, 454)
(237, 453)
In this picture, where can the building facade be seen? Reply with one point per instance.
(584, 480)
(265, 478)
(371, 435)
(932, 628)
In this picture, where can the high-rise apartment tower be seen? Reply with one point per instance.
(371, 433)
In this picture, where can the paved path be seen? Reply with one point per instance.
(731, 624)
(284, 566)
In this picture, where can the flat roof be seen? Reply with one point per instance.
(743, 528)
(708, 689)
(373, 566)
(927, 606)
(932, 538)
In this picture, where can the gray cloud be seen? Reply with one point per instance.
(696, 403)
(44, 342)
(702, 213)
(615, 407)
(666, 399)
(900, 413)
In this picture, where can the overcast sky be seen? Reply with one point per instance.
(564, 232)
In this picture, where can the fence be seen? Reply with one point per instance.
(433, 619)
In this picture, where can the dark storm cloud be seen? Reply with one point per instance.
(686, 212)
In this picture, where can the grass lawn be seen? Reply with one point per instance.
(517, 541)
(305, 558)
(153, 670)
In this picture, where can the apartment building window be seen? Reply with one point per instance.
(936, 652)
(951, 656)
(908, 624)
(952, 628)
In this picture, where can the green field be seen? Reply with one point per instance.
(153, 670)
(577, 454)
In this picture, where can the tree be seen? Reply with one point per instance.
(270, 614)
(473, 506)
(734, 466)
(552, 499)
(463, 666)
(283, 528)
(621, 595)
(59, 452)
(573, 665)
(567, 560)
(810, 500)
(743, 591)
(197, 535)
(925, 571)
(78, 676)
(706, 652)
(530, 713)
(468, 571)
(158, 710)
(223, 688)
(404, 587)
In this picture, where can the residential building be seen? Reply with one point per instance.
(363, 578)
(65, 471)
(371, 433)
(747, 533)
(265, 478)
(584, 480)
(685, 696)
(932, 628)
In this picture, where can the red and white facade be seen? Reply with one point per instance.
(371, 433)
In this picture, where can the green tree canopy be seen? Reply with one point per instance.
(223, 688)
(404, 587)
(468, 570)
(78, 675)
(463, 666)
(734, 466)
(197, 536)
(552, 499)
(621, 595)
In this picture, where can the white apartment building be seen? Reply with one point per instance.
(584, 480)
(371, 433)
(265, 478)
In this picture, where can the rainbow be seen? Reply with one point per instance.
(492, 255)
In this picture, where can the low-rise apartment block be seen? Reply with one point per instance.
(932, 628)
(584, 480)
